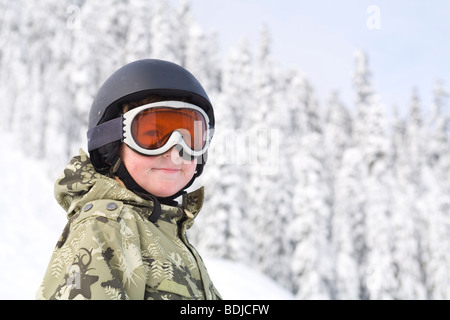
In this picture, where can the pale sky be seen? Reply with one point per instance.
(407, 42)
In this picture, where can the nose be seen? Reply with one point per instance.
(173, 155)
(178, 155)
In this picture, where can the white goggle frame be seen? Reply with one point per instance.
(176, 138)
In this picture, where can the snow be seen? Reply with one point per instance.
(33, 221)
(237, 281)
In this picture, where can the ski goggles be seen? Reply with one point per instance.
(155, 128)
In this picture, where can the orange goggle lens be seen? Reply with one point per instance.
(152, 128)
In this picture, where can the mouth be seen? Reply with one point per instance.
(167, 170)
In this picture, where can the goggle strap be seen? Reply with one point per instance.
(105, 133)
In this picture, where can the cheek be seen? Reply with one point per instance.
(144, 165)
(136, 162)
(189, 169)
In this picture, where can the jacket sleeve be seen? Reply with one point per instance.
(97, 257)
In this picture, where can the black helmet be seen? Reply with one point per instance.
(141, 78)
(134, 82)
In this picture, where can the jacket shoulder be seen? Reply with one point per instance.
(101, 209)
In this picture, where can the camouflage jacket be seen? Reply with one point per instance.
(110, 249)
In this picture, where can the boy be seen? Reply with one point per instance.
(150, 126)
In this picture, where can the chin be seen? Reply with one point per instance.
(163, 192)
(163, 195)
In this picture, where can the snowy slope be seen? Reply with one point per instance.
(237, 281)
(32, 222)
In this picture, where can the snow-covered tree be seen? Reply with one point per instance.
(162, 31)
(312, 260)
(349, 228)
(267, 119)
(378, 185)
(436, 198)
(139, 38)
(363, 95)
(202, 60)
(226, 174)
(337, 132)
(309, 230)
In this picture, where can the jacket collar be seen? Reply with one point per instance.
(185, 213)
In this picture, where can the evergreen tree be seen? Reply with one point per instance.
(226, 175)
(162, 31)
(414, 187)
(202, 60)
(349, 229)
(352, 205)
(436, 198)
(378, 183)
(363, 96)
(309, 229)
(184, 25)
(265, 182)
(139, 38)
(404, 238)
(337, 132)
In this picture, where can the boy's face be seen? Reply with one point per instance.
(162, 175)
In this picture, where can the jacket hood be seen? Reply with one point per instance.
(80, 183)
